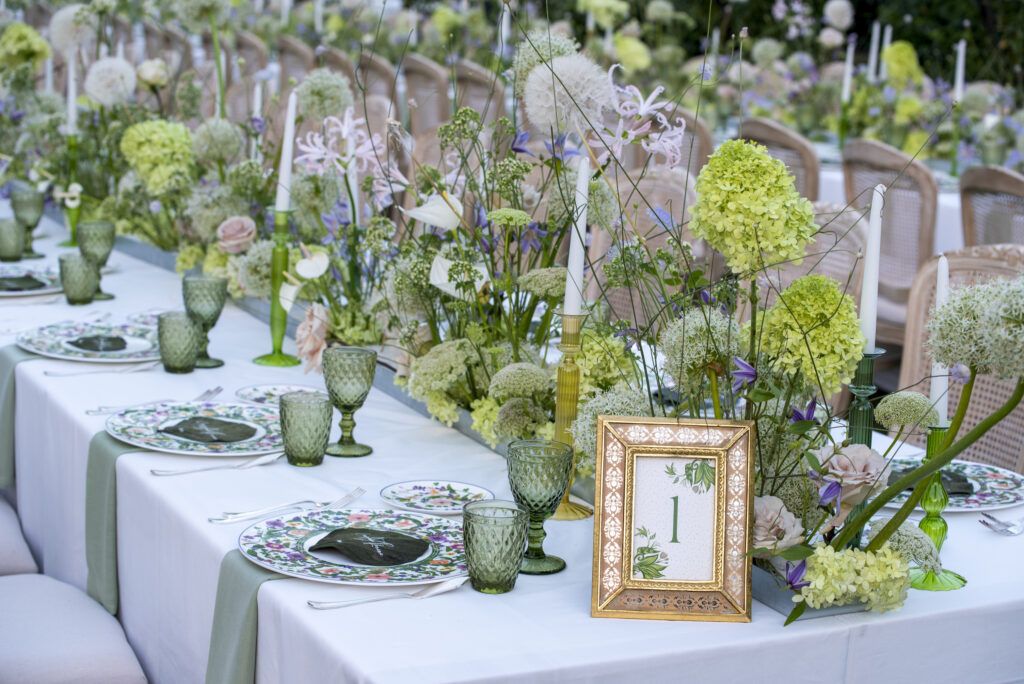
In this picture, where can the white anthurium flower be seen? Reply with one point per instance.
(289, 293)
(313, 267)
(438, 211)
(439, 269)
(73, 197)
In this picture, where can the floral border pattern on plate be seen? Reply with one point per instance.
(994, 487)
(48, 274)
(440, 497)
(267, 395)
(50, 340)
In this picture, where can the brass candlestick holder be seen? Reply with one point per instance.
(567, 396)
(934, 502)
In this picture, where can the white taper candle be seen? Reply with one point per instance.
(257, 113)
(958, 79)
(873, 53)
(573, 304)
(318, 16)
(847, 73)
(352, 176)
(883, 71)
(72, 120)
(872, 255)
(48, 75)
(284, 173)
(940, 375)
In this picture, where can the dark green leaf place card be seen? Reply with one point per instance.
(955, 483)
(373, 547)
(99, 343)
(20, 284)
(210, 430)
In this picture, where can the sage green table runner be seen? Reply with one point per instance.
(10, 356)
(233, 638)
(101, 518)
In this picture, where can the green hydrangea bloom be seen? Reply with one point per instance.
(631, 53)
(217, 141)
(189, 256)
(537, 48)
(901, 64)
(879, 579)
(21, 45)
(161, 153)
(604, 361)
(748, 209)
(485, 417)
(701, 338)
(606, 12)
(546, 283)
(324, 93)
(813, 330)
(519, 380)
(906, 409)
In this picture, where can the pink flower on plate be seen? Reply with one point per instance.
(378, 576)
(358, 517)
(311, 337)
(236, 234)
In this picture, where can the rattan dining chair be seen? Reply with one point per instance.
(336, 60)
(426, 87)
(252, 53)
(795, 151)
(992, 203)
(296, 58)
(480, 89)
(375, 76)
(908, 222)
(1002, 445)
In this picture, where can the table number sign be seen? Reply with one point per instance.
(674, 511)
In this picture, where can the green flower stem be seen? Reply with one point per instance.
(961, 411)
(920, 476)
(221, 108)
(716, 402)
(894, 442)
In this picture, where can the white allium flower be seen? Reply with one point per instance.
(153, 73)
(766, 52)
(775, 527)
(537, 47)
(568, 94)
(956, 333)
(519, 418)
(110, 81)
(906, 409)
(217, 140)
(546, 283)
(67, 32)
(1003, 328)
(699, 338)
(911, 542)
(838, 14)
(519, 380)
(324, 93)
(830, 38)
(617, 401)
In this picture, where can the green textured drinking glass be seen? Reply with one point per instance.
(28, 204)
(305, 426)
(95, 242)
(78, 278)
(204, 300)
(348, 374)
(12, 240)
(538, 470)
(179, 336)
(494, 533)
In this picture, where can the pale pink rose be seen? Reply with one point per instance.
(311, 337)
(775, 527)
(862, 473)
(236, 234)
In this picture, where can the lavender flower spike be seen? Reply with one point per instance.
(745, 374)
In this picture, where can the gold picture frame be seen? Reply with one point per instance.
(671, 534)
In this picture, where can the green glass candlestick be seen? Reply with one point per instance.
(278, 316)
(933, 502)
(73, 203)
(862, 415)
(28, 204)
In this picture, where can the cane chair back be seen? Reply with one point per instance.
(992, 203)
(375, 76)
(1002, 445)
(297, 59)
(480, 89)
(251, 51)
(336, 60)
(794, 150)
(426, 86)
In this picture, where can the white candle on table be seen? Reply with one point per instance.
(872, 254)
(873, 53)
(940, 375)
(506, 26)
(958, 79)
(286, 12)
(284, 173)
(139, 43)
(590, 22)
(883, 70)
(48, 78)
(257, 6)
(72, 120)
(318, 16)
(716, 40)
(352, 177)
(257, 112)
(847, 73)
(574, 280)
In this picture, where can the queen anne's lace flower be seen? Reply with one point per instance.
(519, 418)
(254, 270)
(110, 81)
(775, 528)
(701, 338)
(508, 218)
(439, 369)
(568, 94)
(836, 578)
(748, 209)
(324, 93)
(911, 543)
(70, 28)
(217, 140)
(197, 15)
(519, 380)
(539, 46)
(906, 409)
(617, 401)
(546, 283)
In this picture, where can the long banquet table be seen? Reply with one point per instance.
(169, 555)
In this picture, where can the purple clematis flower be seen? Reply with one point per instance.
(557, 149)
(795, 575)
(807, 414)
(259, 126)
(631, 335)
(519, 144)
(320, 50)
(829, 491)
(745, 374)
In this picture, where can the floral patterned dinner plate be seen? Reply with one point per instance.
(143, 426)
(267, 395)
(994, 487)
(439, 497)
(58, 341)
(17, 280)
(282, 544)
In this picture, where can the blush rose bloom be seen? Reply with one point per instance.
(862, 473)
(775, 527)
(236, 234)
(311, 337)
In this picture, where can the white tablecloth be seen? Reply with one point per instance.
(169, 555)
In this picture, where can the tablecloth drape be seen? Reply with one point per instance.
(10, 356)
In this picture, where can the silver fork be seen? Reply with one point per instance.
(1003, 527)
(266, 459)
(229, 518)
(100, 410)
(133, 368)
(421, 593)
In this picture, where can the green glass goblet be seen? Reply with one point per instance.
(494, 533)
(28, 204)
(179, 336)
(305, 426)
(538, 470)
(204, 300)
(348, 373)
(95, 242)
(78, 278)
(12, 240)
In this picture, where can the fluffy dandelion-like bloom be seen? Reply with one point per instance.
(748, 209)
(538, 47)
(766, 52)
(217, 141)
(519, 380)
(906, 409)
(546, 283)
(196, 15)
(838, 14)
(568, 94)
(813, 330)
(110, 81)
(617, 401)
(775, 528)
(71, 27)
(702, 339)
(324, 93)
